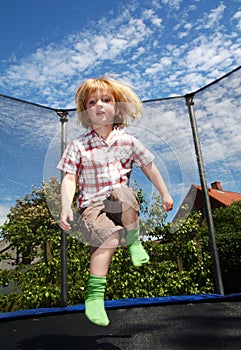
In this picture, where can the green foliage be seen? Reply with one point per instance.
(152, 214)
(227, 222)
(162, 276)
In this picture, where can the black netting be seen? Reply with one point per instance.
(32, 135)
(218, 113)
(26, 132)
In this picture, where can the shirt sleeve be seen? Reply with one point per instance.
(141, 155)
(71, 159)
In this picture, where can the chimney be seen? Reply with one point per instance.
(216, 185)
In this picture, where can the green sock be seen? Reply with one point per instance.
(94, 303)
(138, 254)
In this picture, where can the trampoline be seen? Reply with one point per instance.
(183, 322)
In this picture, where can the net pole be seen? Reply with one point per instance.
(63, 254)
(206, 199)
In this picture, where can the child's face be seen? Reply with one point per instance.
(101, 108)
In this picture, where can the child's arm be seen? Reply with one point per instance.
(68, 188)
(155, 177)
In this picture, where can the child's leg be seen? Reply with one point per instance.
(101, 258)
(138, 254)
(99, 266)
(130, 220)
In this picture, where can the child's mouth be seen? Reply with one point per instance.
(100, 113)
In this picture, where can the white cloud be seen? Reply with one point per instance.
(215, 16)
(160, 66)
(157, 21)
(4, 210)
(150, 14)
(212, 19)
(237, 17)
(173, 4)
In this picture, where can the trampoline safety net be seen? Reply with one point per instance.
(33, 138)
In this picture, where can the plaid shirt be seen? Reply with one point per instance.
(100, 166)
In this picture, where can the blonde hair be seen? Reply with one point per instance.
(129, 105)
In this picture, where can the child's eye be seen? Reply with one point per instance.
(91, 102)
(108, 99)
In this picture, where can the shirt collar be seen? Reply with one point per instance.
(92, 133)
(89, 131)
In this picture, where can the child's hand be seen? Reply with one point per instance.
(66, 215)
(167, 202)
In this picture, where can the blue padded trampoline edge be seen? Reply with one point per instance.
(122, 303)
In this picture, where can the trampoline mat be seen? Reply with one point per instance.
(215, 325)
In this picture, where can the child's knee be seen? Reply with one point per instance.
(127, 197)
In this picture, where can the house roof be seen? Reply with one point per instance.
(222, 196)
(194, 201)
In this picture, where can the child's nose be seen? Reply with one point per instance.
(99, 102)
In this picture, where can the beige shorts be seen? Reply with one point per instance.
(101, 219)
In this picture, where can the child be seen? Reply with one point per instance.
(100, 162)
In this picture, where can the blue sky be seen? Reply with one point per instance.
(164, 48)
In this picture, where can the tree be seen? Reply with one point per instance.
(33, 232)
